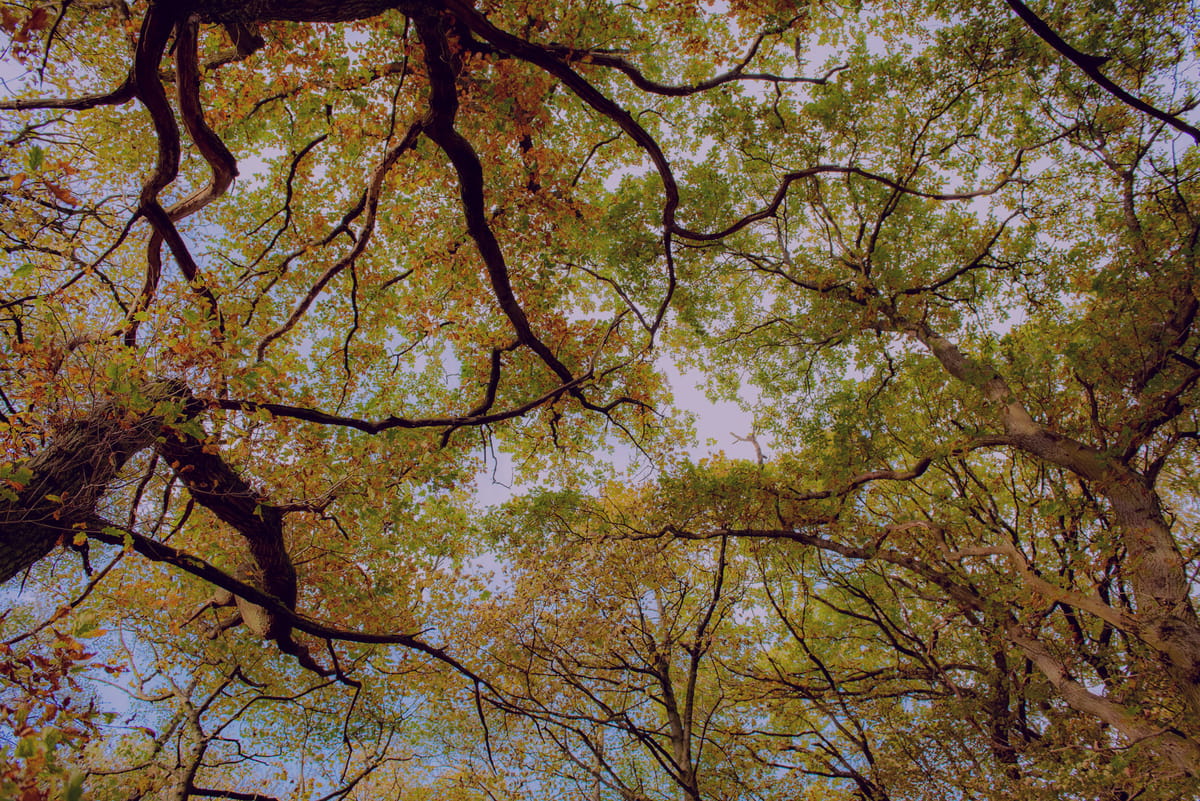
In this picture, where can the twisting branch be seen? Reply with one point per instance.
(439, 127)
(156, 30)
(736, 73)
(916, 471)
(476, 417)
(191, 111)
(551, 61)
(286, 209)
(1090, 66)
(217, 487)
(215, 153)
(772, 208)
(106, 531)
(151, 46)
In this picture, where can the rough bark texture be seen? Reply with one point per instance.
(85, 457)
(1154, 566)
(69, 477)
(215, 485)
(218, 488)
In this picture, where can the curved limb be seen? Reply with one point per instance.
(1090, 66)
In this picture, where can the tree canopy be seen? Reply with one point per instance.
(285, 281)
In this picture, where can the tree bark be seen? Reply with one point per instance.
(71, 474)
(1154, 565)
(86, 455)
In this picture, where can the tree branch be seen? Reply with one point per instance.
(1090, 65)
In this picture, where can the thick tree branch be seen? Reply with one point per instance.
(122, 94)
(1155, 564)
(1182, 752)
(475, 417)
(105, 531)
(552, 62)
(439, 126)
(69, 476)
(159, 23)
(1090, 65)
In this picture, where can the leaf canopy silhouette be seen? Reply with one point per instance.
(287, 280)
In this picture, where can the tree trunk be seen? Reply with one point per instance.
(1154, 564)
(70, 476)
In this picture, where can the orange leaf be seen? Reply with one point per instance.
(60, 193)
(37, 20)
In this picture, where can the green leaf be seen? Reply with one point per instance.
(74, 788)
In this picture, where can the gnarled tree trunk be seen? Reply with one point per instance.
(71, 474)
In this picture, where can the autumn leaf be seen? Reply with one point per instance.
(340, 408)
